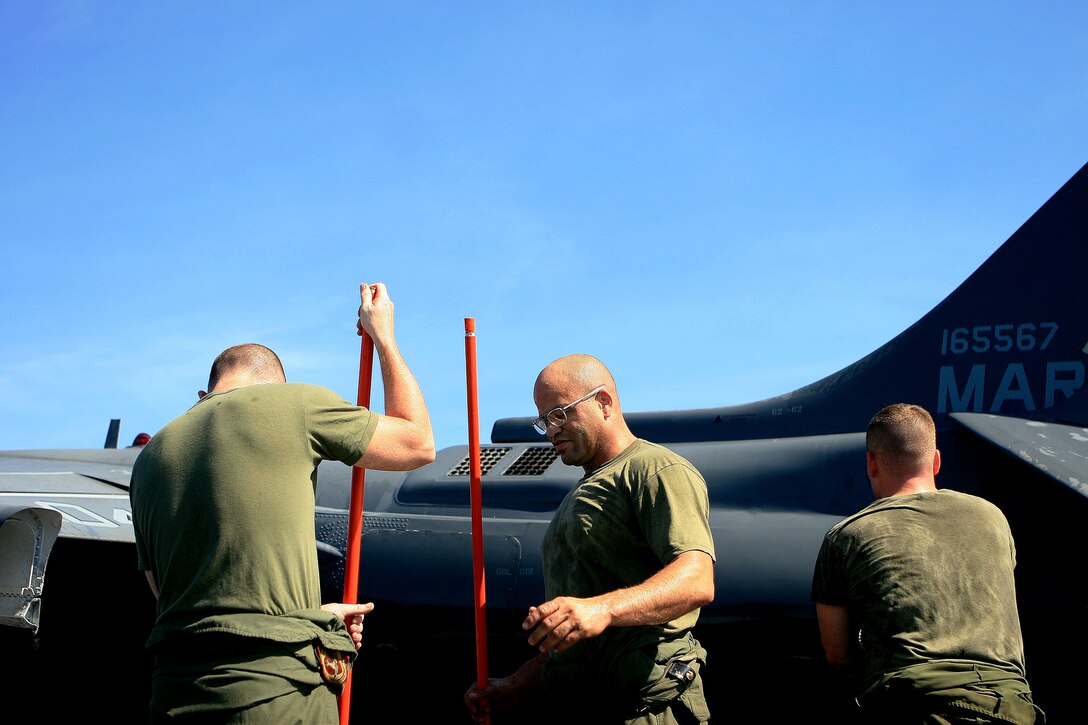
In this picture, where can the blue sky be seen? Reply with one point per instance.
(722, 201)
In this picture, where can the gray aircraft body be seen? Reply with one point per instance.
(1000, 363)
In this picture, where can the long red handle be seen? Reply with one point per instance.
(479, 585)
(355, 512)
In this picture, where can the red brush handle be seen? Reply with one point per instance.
(355, 511)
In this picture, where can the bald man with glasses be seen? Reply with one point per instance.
(628, 563)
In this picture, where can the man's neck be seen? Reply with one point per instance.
(615, 446)
(231, 382)
(918, 484)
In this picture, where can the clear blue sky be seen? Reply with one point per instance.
(722, 201)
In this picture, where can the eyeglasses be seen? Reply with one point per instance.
(558, 416)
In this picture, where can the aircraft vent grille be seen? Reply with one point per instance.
(396, 523)
(533, 462)
(488, 458)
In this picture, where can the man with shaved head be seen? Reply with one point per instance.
(628, 563)
(915, 594)
(223, 512)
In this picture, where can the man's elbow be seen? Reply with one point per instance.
(425, 453)
(420, 452)
(702, 588)
(705, 594)
(402, 454)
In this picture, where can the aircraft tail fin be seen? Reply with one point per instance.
(1011, 340)
(113, 433)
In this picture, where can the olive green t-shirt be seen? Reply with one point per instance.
(622, 524)
(927, 577)
(223, 508)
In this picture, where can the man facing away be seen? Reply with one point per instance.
(628, 562)
(223, 511)
(916, 591)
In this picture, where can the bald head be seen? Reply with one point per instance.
(903, 438)
(593, 430)
(248, 364)
(572, 373)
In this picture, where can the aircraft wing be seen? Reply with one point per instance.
(1059, 451)
(88, 488)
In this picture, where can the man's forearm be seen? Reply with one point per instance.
(685, 584)
(403, 397)
(529, 678)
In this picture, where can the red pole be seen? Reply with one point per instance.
(355, 511)
(479, 584)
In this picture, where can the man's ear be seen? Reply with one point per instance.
(870, 464)
(604, 399)
(936, 462)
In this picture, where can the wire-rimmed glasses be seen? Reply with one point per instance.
(558, 416)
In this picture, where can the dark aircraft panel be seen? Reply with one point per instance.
(508, 482)
(1060, 451)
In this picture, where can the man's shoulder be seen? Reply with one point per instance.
(649, 450)
(859, 519)
(921, 502)
(966, 499)
(650, 459)
(239, 402)
(288, 393)
(294, 389)
(970, 503)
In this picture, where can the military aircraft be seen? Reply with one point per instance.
(1000, 363)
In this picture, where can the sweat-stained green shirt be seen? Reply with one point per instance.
(927, 577)
(223, 510)
(619, 526)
